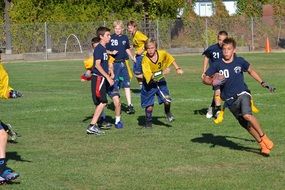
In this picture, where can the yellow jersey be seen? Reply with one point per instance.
(138, 41)
(4, 83)
(151, 68)
(88, 62)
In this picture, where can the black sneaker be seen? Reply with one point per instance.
(12, 134)
(169, 117)
(15, 94)
(10, 131)
(130, 109)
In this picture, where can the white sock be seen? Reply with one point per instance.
(118, 119)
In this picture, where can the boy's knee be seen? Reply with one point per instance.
(248, 117)
(116, 101)
(149, 108)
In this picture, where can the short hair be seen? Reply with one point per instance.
(228, 41)
(118, 23)
(101, 31)
(95, 40)
(150, 41)
(132, 23)
(222, 33)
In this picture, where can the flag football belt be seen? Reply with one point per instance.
(157, 76)
(237, 95)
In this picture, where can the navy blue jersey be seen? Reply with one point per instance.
(100, 53)
(121, 44)
(233, 73)
(214, 53)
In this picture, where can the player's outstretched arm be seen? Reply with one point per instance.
(256, 76)
(177, 68)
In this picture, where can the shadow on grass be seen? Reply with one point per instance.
(224, 141)
(12, 183)
(136, 91)
(112, 107)
(202, 111)
(87, 119)
(155, 121)
(15, 156)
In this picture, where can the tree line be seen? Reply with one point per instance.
(28, 11)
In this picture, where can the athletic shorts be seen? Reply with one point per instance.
(138, 65)
(99, 86)
(113, 90)
(240, 107)
(122, 78)
(149, 91)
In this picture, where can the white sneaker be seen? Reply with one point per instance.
(209, 113)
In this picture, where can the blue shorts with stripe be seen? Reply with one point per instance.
(149, 91)
(138, 65)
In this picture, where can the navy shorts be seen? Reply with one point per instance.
(149, 91)
(122, 78)
(113, 90)
(138, 65)
(240, 107)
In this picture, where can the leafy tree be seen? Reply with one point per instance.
(220, 9)
(278, 7)
(252, 8)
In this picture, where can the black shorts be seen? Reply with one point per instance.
(240, 107)
(99, 86)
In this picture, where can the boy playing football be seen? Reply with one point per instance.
(88, 62)
(235, 93)
(119, 48)
(155, 64)
(212, 54)
(6, 173)
(100, 80)
(139, 40)
(6, 91)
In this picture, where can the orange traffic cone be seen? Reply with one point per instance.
(267, 46)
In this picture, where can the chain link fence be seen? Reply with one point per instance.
(184, 36)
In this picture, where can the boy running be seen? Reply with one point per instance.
(235, 93)
(212, 54)
(155, 64)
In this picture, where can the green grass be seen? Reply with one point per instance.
(54, 151)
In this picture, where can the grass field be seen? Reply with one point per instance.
(54, 151)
